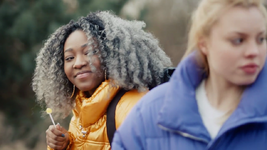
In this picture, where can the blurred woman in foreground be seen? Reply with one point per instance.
(216, 98)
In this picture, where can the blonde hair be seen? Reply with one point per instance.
(206, 15)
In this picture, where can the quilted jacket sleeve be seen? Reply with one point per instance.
(130, 135)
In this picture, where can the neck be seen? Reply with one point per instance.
(222, 94)
(87, 94)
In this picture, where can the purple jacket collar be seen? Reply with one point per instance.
(179, 112)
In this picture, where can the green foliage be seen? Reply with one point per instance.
(24, 25)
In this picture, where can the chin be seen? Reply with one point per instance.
(85, 88)
(246, 81)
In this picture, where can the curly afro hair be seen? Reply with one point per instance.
(131, 57)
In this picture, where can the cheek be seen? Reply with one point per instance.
(263, 54)
(222, 58)
(67, 70)
(96, 62)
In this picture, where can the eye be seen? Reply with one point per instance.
(95, 51)
(261, 40)
(237, 41)
(86, 52)
(69, 58)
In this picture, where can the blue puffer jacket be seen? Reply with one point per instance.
(167, 118)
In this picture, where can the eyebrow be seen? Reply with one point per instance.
(84, 45)
(262, 32)
(70, 49)
(245, 34)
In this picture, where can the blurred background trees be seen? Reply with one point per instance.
(24, 25)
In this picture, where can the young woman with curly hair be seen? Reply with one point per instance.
(216, 99)
(84, 65)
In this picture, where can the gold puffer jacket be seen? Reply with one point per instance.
(88, 125)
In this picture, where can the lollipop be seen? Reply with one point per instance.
(49, 111)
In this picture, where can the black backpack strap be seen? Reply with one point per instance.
(111, 124)
(168, 73)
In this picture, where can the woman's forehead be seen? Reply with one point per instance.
(81, 39)
(241, 19)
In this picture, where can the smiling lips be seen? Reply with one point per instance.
(250, 68)
(82, 74)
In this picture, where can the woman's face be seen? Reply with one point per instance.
(76, 63)
(236, 46)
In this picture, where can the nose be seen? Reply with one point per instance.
(80, 62)
(253, 50)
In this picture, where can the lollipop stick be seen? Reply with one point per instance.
(52, 120)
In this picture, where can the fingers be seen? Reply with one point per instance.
(63, 130)
(56, 147)
(54, 138)
(56, 131)
(55, 144)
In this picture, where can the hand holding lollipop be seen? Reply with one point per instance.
(56, 137)
(49, 111)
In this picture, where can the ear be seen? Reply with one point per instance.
(202, 45)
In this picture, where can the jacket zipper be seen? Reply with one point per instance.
(184, 134)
